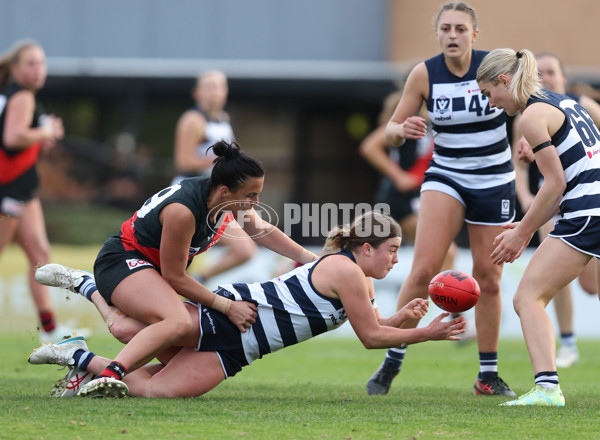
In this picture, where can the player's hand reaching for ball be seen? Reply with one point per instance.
(415, 309)
(446, 330)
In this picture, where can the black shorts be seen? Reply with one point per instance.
(401, 204)
(581, 233)
(484, 206)
(14, 194)
(219, 334)
(114, 263)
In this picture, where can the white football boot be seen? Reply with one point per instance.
(71, 383)
(57, 275)
(60, 353)
(104, 387)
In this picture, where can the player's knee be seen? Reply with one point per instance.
(522, 302)
(422, 275)
(488, 285)
(123, 331)
(180, 327)
(517, 304)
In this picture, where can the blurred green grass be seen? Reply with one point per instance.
(82, 223)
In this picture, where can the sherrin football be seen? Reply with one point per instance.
(454, 291)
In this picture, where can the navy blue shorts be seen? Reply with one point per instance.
(113, 264)
(581, 233)
(219, 334)
(484, 206)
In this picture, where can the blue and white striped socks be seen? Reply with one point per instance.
(547, 379)
(82, 359)
(488, 364)
(395, 356)
(87, 287)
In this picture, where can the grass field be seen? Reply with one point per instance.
(315, 390)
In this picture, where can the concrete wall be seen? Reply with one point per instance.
(567, 28)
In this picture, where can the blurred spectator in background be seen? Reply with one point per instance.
(25, 130)
(200, 127)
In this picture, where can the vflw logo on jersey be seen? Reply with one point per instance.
(442, 108)
(442, 105)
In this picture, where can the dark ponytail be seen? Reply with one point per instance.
(233, 167)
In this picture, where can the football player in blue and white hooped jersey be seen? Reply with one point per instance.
(566, 144)
(553, 77)
(470, 179)
(311, 299)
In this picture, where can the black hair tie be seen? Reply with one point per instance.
(518, 54)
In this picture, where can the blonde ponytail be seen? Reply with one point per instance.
(521, 66)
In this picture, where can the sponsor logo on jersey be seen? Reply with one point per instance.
(593, 153)
(338, 317)
(134, 263)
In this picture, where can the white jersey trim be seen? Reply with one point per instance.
(472, 163)
(470, 140)
(475, 181)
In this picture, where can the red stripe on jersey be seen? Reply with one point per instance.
(12, 167)
(421, 164)
(228, 218)
(131, 243)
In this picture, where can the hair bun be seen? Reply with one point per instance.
(226, 149)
